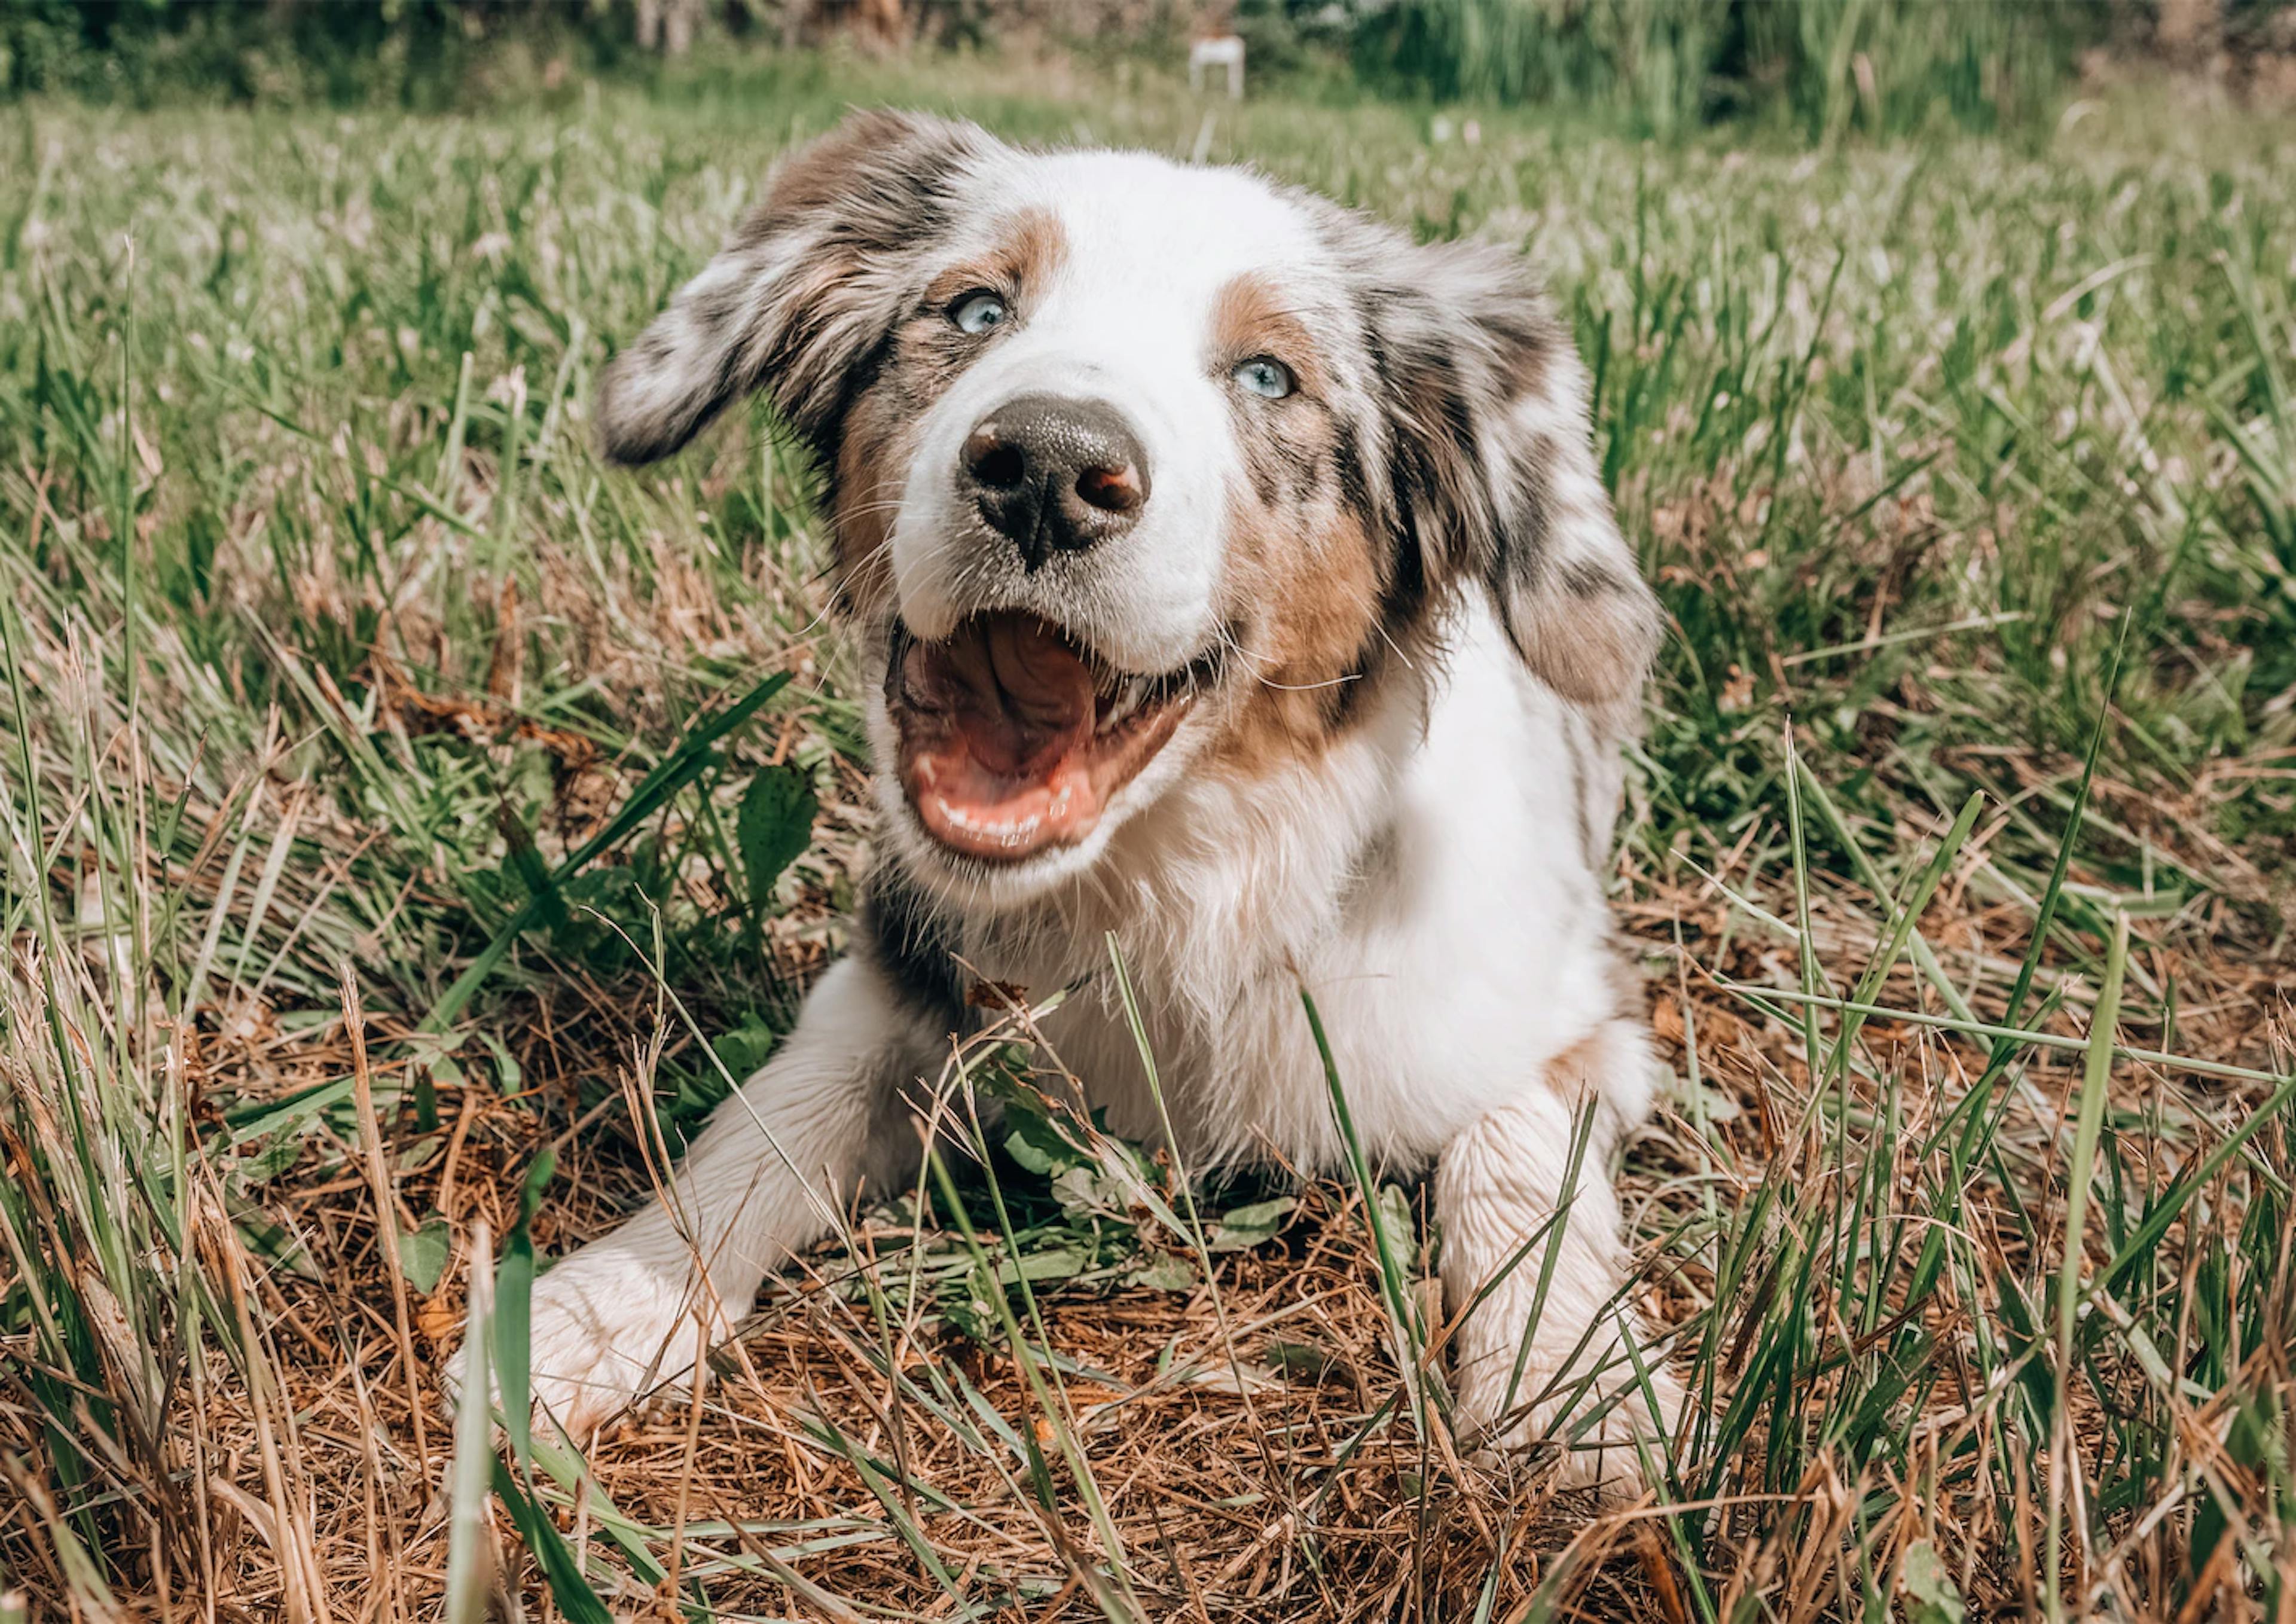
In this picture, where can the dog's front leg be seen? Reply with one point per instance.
(1529, 1368)
(764, 1180)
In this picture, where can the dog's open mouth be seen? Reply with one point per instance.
(1014, 737)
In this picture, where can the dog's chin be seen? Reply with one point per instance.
(977, 889)
(1017, 749)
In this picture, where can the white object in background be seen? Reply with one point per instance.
(1221, 51)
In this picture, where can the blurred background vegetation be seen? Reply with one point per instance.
(1816, 68)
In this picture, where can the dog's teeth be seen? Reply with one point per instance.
(1130, 692)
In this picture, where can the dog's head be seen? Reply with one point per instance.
(1137, 470)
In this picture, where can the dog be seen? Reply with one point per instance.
(1240, 589)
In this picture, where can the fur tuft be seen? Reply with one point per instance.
(1490, 469)
(803, 294)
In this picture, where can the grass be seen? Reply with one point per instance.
(411, 827)
(1664, 67)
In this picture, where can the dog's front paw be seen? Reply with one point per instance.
(607, 1327)
(1604, 1432)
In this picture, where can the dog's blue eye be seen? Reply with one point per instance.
(1264, 376)
(978, 312)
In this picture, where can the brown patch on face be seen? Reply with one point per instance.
(873, 465)
(926, 354)
(1287, 444)
(1030, 251)
(1309, 642)
(1252, 317)
(1307, 564)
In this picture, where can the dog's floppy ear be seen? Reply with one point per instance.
(800, 298)
(1492, 470)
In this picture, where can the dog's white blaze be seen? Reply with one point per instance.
(1128, 320)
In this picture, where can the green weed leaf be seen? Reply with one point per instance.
(1930, 1597)
(775, 827)
(422, 1254)
(1246, 1228)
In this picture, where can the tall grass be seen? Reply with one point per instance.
(1957, 855)
(1886, 67)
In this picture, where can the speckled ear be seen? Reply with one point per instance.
(1493, 469)
(802, 296)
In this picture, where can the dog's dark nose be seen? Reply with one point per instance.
(1053, 474)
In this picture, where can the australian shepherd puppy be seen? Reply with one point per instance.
(1235, 581)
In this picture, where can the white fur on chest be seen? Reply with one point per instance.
(1427, 882)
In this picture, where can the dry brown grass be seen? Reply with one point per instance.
(1231, 1446)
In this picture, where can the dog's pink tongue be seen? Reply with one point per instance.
(996, 762)
(1012, 691)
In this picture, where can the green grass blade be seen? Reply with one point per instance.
(2096, 1082)
(1394, 1283)
(470, 1541)
(682, 766)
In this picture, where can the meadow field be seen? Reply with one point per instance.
(412, 826)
